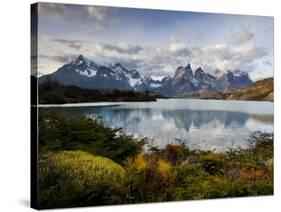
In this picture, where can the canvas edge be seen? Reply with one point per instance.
(33, 106)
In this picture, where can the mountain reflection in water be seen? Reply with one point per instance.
(203, 129)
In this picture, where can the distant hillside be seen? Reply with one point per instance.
(52, 92)
(260, 90)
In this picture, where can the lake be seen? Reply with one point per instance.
(201, 124)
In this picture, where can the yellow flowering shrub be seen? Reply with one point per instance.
(66, 176)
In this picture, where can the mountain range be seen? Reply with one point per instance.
(85, 73)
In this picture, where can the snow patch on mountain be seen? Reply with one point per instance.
(133, 81)
(88, 72)
(238, 73)
(155, 85)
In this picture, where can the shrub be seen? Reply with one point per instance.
(269, 165)
(164, 169)
(76, 178)
(192, 182)
(148, 179)
(58, 132)
(247, 187)
(175, 153)
(213, 163)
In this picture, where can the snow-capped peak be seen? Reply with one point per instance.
(134, 78)
(85, 66)
(118, 68)
(238, 73)
(80, 60)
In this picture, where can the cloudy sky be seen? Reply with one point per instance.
(155, 42)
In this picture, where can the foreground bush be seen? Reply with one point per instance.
(212, 163)
(76, 178)
(148, 179)
(58, 132)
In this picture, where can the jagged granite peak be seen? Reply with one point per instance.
(199, 69)
(79, 58)
(219, 73)
(189, 71)
(118, 66)
(238, 79)
(184, 72)
(198, 74)
(84, 66)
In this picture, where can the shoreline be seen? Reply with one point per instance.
(117, 103)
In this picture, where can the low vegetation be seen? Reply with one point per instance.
(82, 162)
(52, 92)
(68, 177)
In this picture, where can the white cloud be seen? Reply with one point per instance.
(68, 13)
(241, 36)
(105, 26)
(267, 63)
(177, 46)
(55, 10)
(155, 60)
(240, 52)
(98, 13)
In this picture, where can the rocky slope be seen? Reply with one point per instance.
(260, 90)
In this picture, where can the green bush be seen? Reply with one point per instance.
(243, 187)
(58, 132)
(213, 163)
(175, 153)
(76, 178)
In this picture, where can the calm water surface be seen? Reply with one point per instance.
(201, 124)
